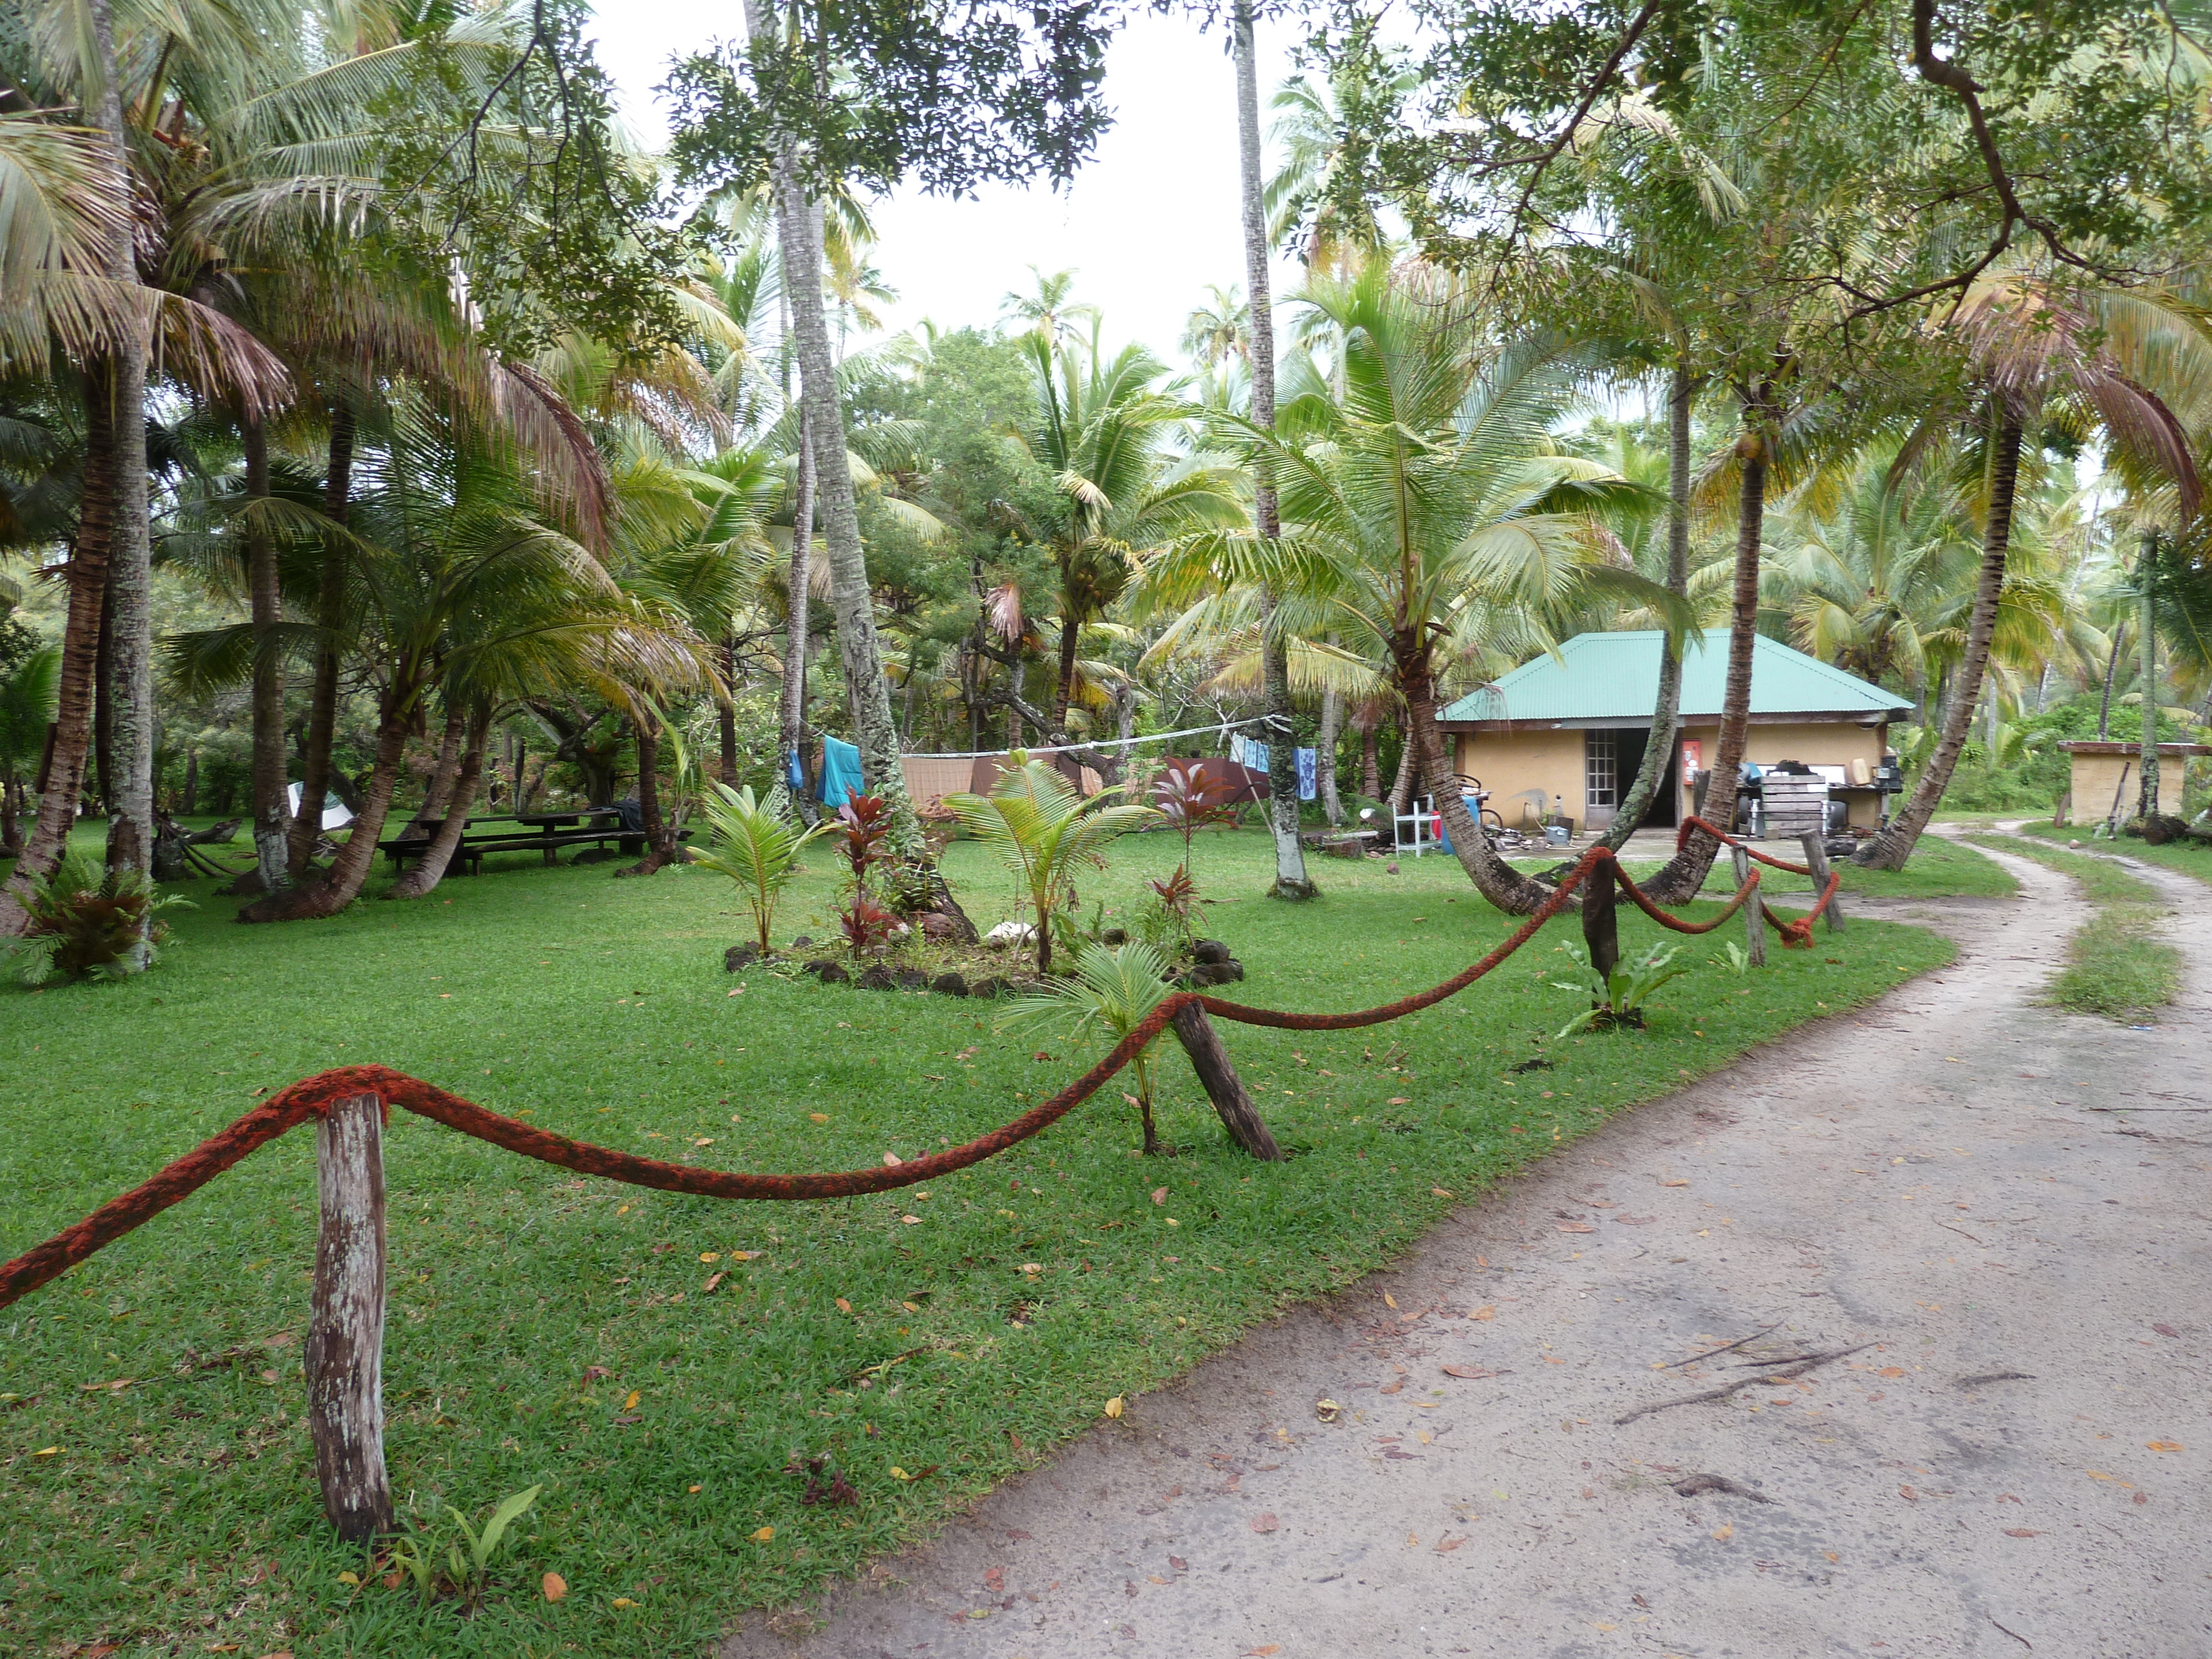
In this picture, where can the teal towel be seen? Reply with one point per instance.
(840, 773)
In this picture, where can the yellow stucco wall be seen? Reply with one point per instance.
(1510, 762)
(2096, 779)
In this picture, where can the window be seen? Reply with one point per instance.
(1601, 778)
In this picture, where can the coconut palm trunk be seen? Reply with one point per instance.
(468, 779)
(439, 789)
(1495, 879)
(1678, 882)
(310, 901)
(1290, 879)
(130, 824)
(323, 699)
(1332, 729)
(1890, 848)
(1667, 702)
(659, 832)
(271, 838)
(86, 576)
(791, 704)
(2147, 629)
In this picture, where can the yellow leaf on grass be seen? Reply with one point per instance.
(630, 1403)
(765, 1535)
(843, 1306)
(1159, 1194)
(710, 1256)
(553, 1585)
(1439, 1192)
(625, 1601)
(1398, 1100)
(353, 1578)
(1114, 1407)
(2163, 1445)
(820, 1117)
(45, 1451)
(892, 1160)
(898, 1473)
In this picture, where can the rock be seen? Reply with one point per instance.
(1114, 936)
(830, 973)
(950, 985)
(1009, 932)
(738, 957)
(996, 986)
(1209, 951)
(1206, 973)
(877, 978)
(598, 855)
(912, 979)
(1236, 969)
(801, 942)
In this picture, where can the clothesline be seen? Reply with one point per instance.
(1223, 730)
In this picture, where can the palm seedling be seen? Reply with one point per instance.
(1109, 995)
(757, 845)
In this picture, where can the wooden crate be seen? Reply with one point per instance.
(1795, 805)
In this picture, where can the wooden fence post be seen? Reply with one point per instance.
(1754, 925)
(1816, 861)
(1220, 1081)
(344, 1352)
(1600, 923)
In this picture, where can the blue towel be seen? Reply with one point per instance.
(1308, 765)
(794, 773)
(1252, 755)
(840, 773)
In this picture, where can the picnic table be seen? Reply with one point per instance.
(548, 832)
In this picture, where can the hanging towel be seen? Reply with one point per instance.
(840, 773)
(1308, 764)
(1252, 755)
(794, 773)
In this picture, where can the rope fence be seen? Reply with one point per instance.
(349, 1156)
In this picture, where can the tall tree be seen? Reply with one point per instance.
(1290, 879)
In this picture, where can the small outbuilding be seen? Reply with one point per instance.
(1571, 730)
(2104, 780)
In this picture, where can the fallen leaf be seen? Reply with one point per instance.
(1439, 1192)
(1389, 1300)
(994, 1581)
(1392, 1388)
(843, 1306)
(1908, 1494)
(1891, 1370)
(767, 1534)
(1486, 1311)
(95, 1388)
(553, 1585)
(710, 1256)
(1159, 1194)
(1550, 1360)
(630, 1403)
(820, 1117)
(1575, 1227)
(2163, 1445)
(1264, 1523)
(1446, 1544)
(910, 1220)
(1398, 1100)
(2021, 1532)
(1724, 1535)
(1473, 1373)
(713, 1279)
(2165, 1330)
(2096, 1474)
(892, 1160)
(1326, 1410)
(47, 1451)
(1114, 1407)
(1262, 1653)
(625, 1601)
(1673, 1183)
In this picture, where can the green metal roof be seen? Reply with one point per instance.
(1615, 676)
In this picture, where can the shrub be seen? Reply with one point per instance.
(84, 921)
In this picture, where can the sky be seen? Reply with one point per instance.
(1146, 227)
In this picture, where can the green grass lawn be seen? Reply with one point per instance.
(527, 1308)
(2192, 858)
(1938, 868)
(2116, 963)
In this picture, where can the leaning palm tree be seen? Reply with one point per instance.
(1424, 500)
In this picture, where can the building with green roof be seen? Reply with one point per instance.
(1566, 733)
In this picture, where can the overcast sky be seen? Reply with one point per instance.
(1145, 226)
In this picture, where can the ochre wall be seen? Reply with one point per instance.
(1510, 762)
(2097, 777)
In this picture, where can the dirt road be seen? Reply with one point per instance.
(2003, 1210)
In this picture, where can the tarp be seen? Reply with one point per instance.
(840, 773)
(335, 815)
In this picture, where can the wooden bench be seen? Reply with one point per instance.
(548, 838)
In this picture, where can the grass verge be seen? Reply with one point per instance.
(2190, 858)
(544, 1329)
(2117, 965)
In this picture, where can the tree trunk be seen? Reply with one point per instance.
(1889, 849)
(329, 604)
(438, 788)
(1403, 786)
(271, 814)
(190, 804)
(875, 727)
(725, 719)
(1665, 708)
(1071, 634)
(11, 795)
(130, 825)
(1210, 1061)
(791, 704)
(2146, 628)
(72, 732)
(103, 706)
(1325, 741)
(1290, 879)
(1370, 764)
(2111, 673)
(660, 834)
(1678, 882)
(1495, 879)
(343, 1354)
(340, 885)
(430, 869)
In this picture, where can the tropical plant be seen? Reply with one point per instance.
(83, 921)
(1043, 831)
(1618, 998)
(757, 845)
(27, 693)
(1111, 993)
(461, 1571)
(1189, 798)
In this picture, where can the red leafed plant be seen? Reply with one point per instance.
(1178, 891)
(863, 834)
(867, 924)
(1190, 797)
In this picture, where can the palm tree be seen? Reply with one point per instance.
(1305, 198)
(1049, 310)
(1218, 329)
(1423, 502)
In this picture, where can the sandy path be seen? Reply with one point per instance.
(1976, 1185)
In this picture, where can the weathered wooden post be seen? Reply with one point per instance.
(1816, 861)
(1600, 924)
(1754, 925)
(344, 1352)
(1222, 1085)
